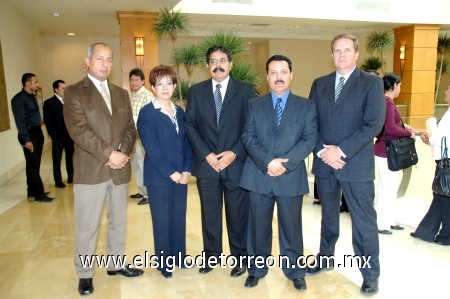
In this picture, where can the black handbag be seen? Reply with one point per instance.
(441, 182)
(401, 152)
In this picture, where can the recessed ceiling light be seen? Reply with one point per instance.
(249, 43)
(241, 24)
(56, 14)
(70, 33)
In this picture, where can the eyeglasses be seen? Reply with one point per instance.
(215, 61)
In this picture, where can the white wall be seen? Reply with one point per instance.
(21, 54)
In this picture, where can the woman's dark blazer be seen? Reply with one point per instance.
(166, 151)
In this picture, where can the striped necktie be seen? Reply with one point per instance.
(218, 100)
(278, 112)
(338, 88)
(106, 96)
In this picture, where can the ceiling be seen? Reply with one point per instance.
(254, 21)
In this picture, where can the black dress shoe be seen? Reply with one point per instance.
(44, 198)
(32, 196)
(397, 227)
(384, 232)
(413, 235)
(251, 281)
(127, 272)
(85, 286)
(238, 271)
(206, 269)
(69, 181)
(342, 209)
(60, 185)
(137, 195)
(315, 270)
(300, 284)
(143, 201)
(369, 287)
(166, 274)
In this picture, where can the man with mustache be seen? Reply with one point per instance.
(279, 134)
(214, 120)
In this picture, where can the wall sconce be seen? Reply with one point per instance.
(139, 51)
(402, 59)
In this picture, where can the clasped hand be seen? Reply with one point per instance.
(331, 155)
(180, 178)
(276, 168)
(117, 160)
(221, 161)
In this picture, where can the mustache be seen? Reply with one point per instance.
(218, 69)
(279, 81)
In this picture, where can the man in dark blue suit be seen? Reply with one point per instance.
(351, 109)
(56, 128)
(279, 134)
(215, 116)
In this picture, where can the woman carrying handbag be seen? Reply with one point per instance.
(435, 225)
(387, 179)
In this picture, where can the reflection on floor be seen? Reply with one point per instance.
(36, 246)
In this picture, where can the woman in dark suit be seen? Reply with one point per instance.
(167, 167)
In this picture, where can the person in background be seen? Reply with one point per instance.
(99, 120)
(140, 96)
(167, 167)
(387, 179)
(435, 225)
(28, 121)
(279, 134)
(56, 128)
(351, 110)
(215, 116)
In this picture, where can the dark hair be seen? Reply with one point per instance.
(161, 71)
(370, 71)
(278, 57)
(27, 78)
(390, 80)
(220, 49)
(345, 35)
(56, 84)
(138, 73)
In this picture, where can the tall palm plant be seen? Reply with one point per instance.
(244, 71)
(231, 40)
(380, 42)
(442, 48)
(190, 57)
(372, 63)
(170, 24)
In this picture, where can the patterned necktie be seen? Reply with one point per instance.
(106, 97)
(218, 100)
(278, 112)
(338, 88)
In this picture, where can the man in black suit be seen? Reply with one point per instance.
(279, 134)
(351, 109)
(214, 120)
(28, 121)
(56, 128)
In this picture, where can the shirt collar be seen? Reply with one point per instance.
(59, 98)
(346, 76)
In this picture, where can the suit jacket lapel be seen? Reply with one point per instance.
(349, 85)
(96, 96)
(288, 111)
(268, 109)
(229, 96)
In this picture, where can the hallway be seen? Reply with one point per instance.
(36, 247)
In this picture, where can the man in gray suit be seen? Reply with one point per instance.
(99, 120)
(279, 133)
(351, 110)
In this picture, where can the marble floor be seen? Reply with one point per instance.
(36, 246)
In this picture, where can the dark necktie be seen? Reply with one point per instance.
(218, 100)
(338, 88)
(278, 112)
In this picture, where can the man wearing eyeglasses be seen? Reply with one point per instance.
(28, 121)
(214, 120)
